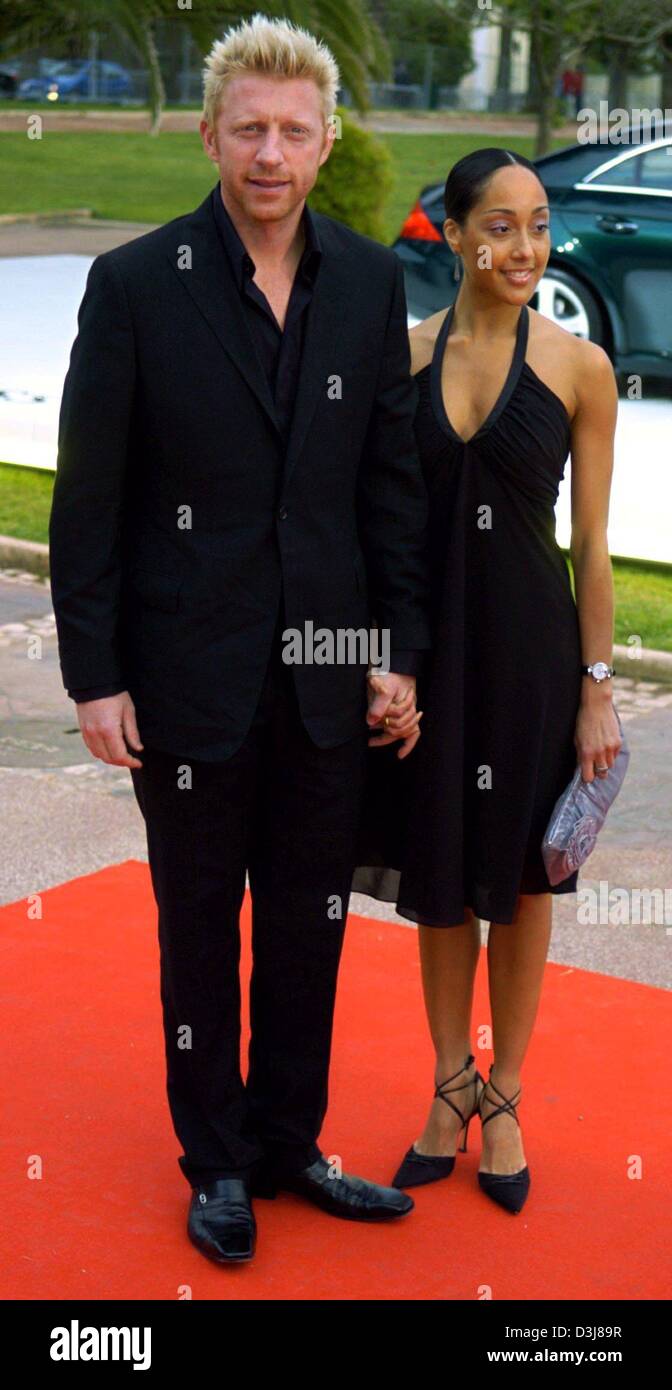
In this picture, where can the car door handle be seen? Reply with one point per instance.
(617, 226)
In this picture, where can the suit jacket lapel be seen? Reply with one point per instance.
(326, 314)
(211, 285)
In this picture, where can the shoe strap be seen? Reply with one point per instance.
(439, 1091)
(508, 1106)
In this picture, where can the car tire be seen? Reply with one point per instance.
(565, 300)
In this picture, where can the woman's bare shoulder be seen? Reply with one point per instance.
(574, 367)
(422, 338)
(578, 354)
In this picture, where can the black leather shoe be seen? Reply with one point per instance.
(348, 1196)
(221, 1221)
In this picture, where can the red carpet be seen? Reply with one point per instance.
(84, 1092)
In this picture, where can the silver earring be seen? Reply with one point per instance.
(457, 271)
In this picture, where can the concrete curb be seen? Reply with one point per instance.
(24, 555)
(66, 215)
(650, 665)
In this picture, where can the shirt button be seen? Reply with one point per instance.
(282, 513)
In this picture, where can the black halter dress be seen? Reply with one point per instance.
(460, 821)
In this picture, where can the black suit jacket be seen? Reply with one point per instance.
(179, 520)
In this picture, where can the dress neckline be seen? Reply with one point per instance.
(510, 383)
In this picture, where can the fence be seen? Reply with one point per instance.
(107, 69)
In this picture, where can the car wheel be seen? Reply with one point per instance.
(568, 303)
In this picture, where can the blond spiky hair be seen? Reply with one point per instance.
(273, 46)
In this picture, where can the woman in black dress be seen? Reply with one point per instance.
(453, 821)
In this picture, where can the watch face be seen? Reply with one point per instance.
(600, 670)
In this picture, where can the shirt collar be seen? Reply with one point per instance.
(242, 264)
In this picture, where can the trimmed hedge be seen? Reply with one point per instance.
(356, 181)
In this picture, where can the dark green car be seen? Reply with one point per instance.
(609, 276)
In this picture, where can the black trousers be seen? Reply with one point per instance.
(287, 812)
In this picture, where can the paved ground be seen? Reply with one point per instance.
(85, 236)
(67, 814)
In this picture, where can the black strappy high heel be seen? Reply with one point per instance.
(417, 1169)
(508, 1189)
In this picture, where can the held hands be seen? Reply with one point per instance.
(392, 707)
(108, 725)
(597, 738)
(103, 725)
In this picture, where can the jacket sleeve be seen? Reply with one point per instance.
(88, 497)
(96, 692)
(406, 663)
(392, 497)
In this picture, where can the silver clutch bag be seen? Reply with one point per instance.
(578, 816)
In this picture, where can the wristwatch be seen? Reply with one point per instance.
(599, 671)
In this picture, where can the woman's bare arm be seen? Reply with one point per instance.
(597, 736)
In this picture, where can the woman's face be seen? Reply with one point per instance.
(504, 242)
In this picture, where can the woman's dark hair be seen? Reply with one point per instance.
(468, 178)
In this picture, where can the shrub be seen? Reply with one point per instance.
(356, 181)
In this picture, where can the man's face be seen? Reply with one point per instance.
(268, 143)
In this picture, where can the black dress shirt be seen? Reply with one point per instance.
(279, 350)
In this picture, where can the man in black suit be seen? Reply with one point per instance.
(237, 459)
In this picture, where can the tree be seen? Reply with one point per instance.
(413, 26)
(353, 37)
(666, 64)
(617, 28)
(630, 45)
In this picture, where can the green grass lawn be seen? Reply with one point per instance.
(643, 592)
(137, 178)
(25, 500)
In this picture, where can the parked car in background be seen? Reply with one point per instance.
(81, 81)
(9, 81)
(609, 275)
